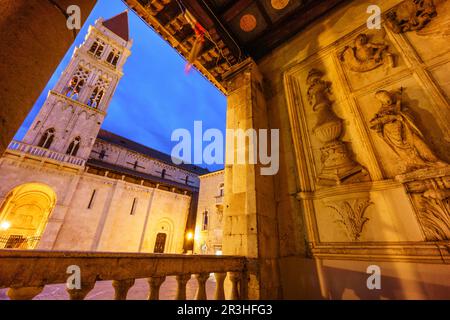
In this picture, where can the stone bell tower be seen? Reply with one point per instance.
(71, 117)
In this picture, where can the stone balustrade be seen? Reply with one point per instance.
(26, 273)
(44, 153)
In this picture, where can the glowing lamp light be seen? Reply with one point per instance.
(190, 236)
(5, 225)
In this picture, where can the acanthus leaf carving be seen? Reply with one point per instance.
(429, 190)
(352, 216)
(435, 216)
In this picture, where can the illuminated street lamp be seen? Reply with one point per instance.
(5, 225)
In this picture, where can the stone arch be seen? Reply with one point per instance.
(80, 114)
(24, 215)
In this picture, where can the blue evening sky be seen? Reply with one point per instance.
(155, 96)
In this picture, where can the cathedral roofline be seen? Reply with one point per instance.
(95, 163)
(147, 151)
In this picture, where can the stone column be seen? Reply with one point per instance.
(250, 224)
(182, 280)
(121, 288)
(154, 286)
(33, 40)
(201, 291)
(220, 292)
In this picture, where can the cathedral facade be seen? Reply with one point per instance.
(70, 185)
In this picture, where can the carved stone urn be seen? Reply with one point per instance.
(338, 167)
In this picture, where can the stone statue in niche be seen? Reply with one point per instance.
(398, 130)
(366, 56)
(337, 165)
(411, 15)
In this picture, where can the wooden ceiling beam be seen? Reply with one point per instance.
(289, 26)
(235, 9)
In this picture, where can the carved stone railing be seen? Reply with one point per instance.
(26, 273)
(44, 153)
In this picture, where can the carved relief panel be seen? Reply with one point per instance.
(377, 97)
(368, 56)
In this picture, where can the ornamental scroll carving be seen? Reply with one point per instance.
(337, 165)
(366, 55)
(411, 15)
(352, 216)
(429, 191)
(400, 133)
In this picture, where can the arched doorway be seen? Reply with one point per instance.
(24, 215)
(163, 236)
(160, 243)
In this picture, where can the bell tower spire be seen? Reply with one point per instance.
(74, 110)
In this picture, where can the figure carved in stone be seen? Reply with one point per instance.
(338, 167)
(366, 56)
(411, 15)
(352, 216)
(398, 130)
(438, 27)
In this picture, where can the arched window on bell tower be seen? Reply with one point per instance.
(76, 84)
(73, 147)
(96, 97)
(97, 48)
(47, 138)
(113, 57)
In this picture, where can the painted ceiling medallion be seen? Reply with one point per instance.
(279, 4)
(248, 22)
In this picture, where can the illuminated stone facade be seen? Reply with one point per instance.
(71, 186)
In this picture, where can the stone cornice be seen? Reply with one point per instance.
(418, 252)
(346, 189)
(77, 103)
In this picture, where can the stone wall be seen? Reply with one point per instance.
(109, 224)
(364, 153)
(210, 201)
(34, 38)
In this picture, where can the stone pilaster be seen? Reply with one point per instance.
(34, 38)
(250, 224)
